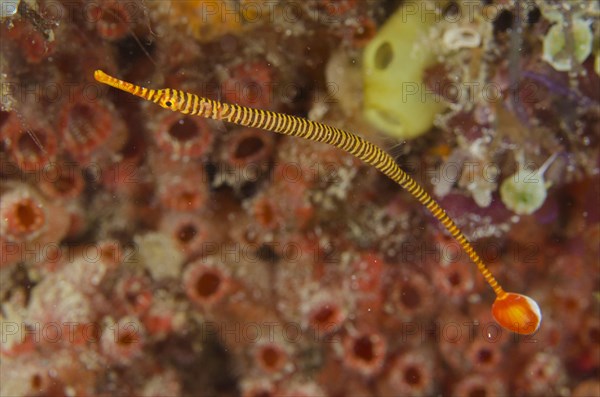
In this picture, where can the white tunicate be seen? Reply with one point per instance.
(462, 37)
(159, 254)
(525, 191)
(555, 44)
(345, 82)
(481, 191)
(8, 8)
(443, 182)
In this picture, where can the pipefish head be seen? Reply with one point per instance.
(167, 98)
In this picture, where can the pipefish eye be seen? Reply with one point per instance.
(168, 103)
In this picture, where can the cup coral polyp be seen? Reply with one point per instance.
(271, 357)
(325, 316)
(123, 341)
(249, 147)
(250, 84)
(22, 215)
(112, 19)
(204, 284)
(62, 181)
(85, 125)
(31, 146)
(365, 352)
(183, 138)
(410, 374)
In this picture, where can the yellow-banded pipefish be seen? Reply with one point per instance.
(513, 311)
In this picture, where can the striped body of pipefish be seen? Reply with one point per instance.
(515, 312)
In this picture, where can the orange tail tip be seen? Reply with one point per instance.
(517, 313)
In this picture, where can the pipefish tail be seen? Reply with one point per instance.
(515, 312)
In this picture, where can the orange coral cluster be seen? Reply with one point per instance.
(145, 253)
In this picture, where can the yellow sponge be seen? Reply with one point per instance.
(396, 100)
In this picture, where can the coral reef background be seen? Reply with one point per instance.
(152, 254)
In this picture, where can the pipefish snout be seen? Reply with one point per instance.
(515, 312)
